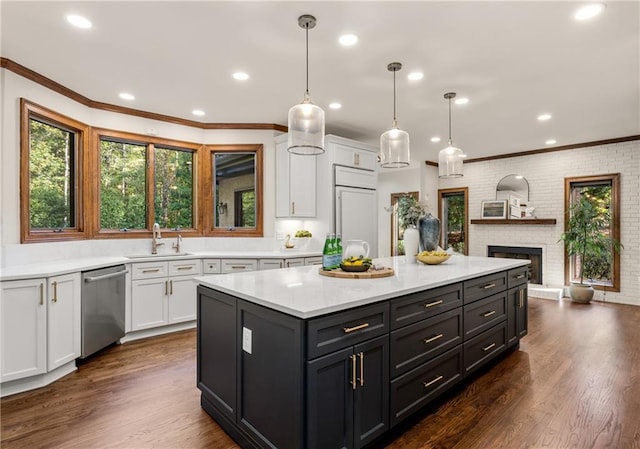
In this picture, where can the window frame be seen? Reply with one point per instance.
(394, 227)
(81, 230)
(614, 180)
(442, 193)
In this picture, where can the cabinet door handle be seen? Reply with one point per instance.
(521, 299)
(348, 330)
(361, 369)
(434, 338)
(492, 345)
(55, 291)
(434, 303)
(489, 286)
(171, 287)
(41, 294)
(154, 270)
(353, 371)
(486, 314)
(293, 208)
(166, 288)
(520, 276)
(428, 384)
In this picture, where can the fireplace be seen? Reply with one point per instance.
(521, 252)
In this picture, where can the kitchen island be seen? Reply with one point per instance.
(292, 359)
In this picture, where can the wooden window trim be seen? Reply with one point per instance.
(465, 191)
(30, 110)
(614, 178)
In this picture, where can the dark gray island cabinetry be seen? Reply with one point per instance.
(297, 360)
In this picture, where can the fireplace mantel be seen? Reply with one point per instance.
(523, 221)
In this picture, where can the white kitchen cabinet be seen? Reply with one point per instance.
(63, 319)
(272, 264)
(23, 329)
(353, 156)
(295, 183)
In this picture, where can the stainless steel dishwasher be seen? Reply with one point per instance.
(103, 305)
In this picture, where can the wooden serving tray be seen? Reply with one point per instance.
(370, 274)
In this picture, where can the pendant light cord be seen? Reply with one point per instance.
(306, 27)
(449, 121)
(394, 96)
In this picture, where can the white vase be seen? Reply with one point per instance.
(411, 244)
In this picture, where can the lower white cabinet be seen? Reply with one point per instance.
(63, 319)
(272, 264)
(158, 298)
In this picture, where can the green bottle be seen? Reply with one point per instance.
(327, 253)
(338, 251)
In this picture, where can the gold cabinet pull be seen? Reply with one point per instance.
(166, 287)
(520, 276)
(361, 369)
(293, 208)
(55, 291)
(434, 338)
(489, 286)
(154, 270)
(171, 287)
(186, 267)
(353, 371)
(41, 294)
(238, 267)
(434, 303)
(348, 330)
(489, 313)
(428, 384)
(521, 299)
(491, 346)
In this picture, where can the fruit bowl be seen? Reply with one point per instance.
(432, 259)
(355, 268)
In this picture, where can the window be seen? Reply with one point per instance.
(145, 181)
(51, 168)
(452, 210)
(603, 193)
(397, 231)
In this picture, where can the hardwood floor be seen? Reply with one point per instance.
(574, 383)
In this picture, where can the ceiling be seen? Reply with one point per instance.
(513, 60)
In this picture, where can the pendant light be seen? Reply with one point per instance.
(394, 143)
(306, 120)
(450, 159)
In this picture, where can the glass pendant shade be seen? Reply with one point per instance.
(394, 148)
(450, 162)
(306, 129)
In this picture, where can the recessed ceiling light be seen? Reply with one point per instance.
(589, 11)
(126, 96)
(335, 105)
(415, 76)
(461, 100)
(348, 40)
(544, 117)
(198, 112)
(435, 139)
(550, 141)
(79, 21)
(241, 76)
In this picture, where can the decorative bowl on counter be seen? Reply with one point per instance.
(432, 259)
(355, 268)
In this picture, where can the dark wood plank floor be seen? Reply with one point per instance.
(575, 383)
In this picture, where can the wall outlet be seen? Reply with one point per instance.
(280, 235)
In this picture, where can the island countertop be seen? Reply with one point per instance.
(304, 293)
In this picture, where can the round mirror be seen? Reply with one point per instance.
(513, 186)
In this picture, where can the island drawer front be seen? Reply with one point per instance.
(480, 350)
(416, 388)
(484, 286)
(418, 306)
(517, 276)
(481, 315)
(185, 267)
(211, 266)
(239, 265)
(148, 270)
(334, 332)
(414, 345)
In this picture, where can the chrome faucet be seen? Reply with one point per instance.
(176, 245)
(156, 236)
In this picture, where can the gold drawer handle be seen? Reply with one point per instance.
(428, 384)
(435, 303)
(185, 268)
(348, 330)
(489, 286)
(434, 338)
(239, 267)
(155, 270)
(489, 313)
(491, 346)
(520, 276)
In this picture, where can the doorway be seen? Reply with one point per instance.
(453, 211)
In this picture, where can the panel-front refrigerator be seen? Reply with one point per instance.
(356, 204)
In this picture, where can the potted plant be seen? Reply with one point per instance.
(409, 212)
(584, 238)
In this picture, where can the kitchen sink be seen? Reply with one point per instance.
(156, 256)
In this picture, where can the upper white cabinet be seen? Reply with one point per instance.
(351, 155)
(295, 183)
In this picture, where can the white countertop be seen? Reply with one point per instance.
(304, 293)
(59, 267)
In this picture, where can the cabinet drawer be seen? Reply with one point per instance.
(416, 344)
(237, 265)
(418, 306)
(212, 266)
(484, 286)
(483, 314)
(416, 388)
(517, 276)
(313, 260)
(148, 270)
(486, 346)
(334, 332)
(185, 267)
